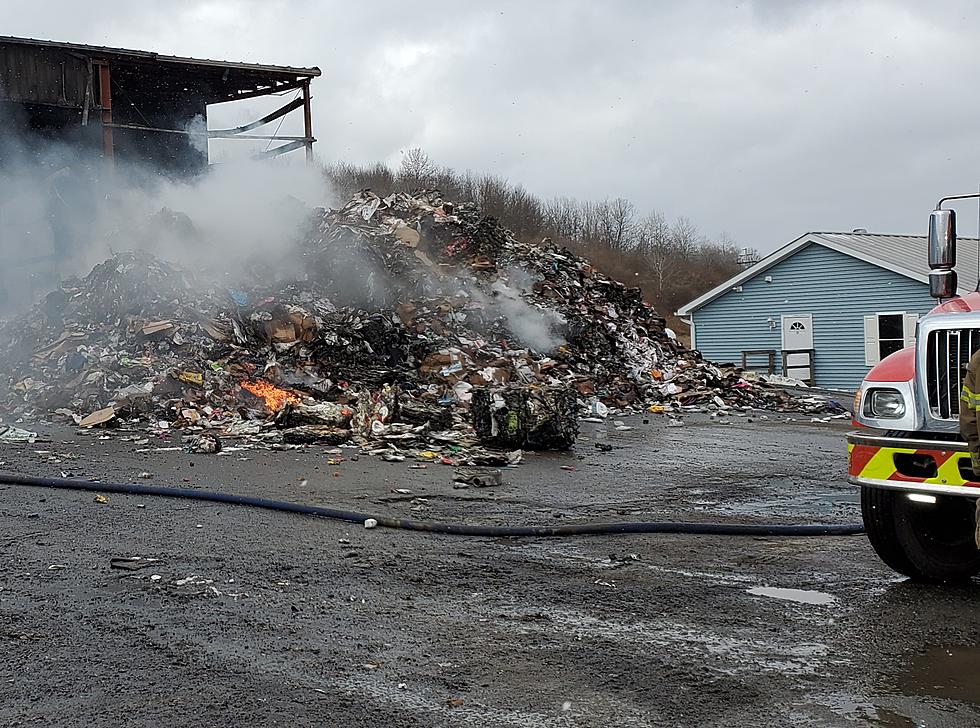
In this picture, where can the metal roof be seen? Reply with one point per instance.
(902, 254)
(907, 253)
(137, 56)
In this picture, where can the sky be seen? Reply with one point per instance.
(757, 120)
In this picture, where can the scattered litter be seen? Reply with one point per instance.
(100, 499)
(478, 477)
(131, 563)
(11, 434)
(99, 417)
(205, 443)
(370, 523)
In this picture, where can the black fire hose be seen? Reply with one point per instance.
(454, 529)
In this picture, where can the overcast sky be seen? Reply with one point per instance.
(762, 120)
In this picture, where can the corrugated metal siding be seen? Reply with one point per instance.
(836, 289)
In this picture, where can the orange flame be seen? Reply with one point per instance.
(275, 398)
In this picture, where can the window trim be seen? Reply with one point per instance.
(873, 340)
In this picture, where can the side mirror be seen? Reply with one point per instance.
(942, 284)
(942, 239)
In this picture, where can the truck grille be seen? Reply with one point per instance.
(948, 351)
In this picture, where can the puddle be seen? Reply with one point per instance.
(820, 503)
(945, 673)
(801, 596)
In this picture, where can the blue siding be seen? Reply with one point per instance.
(836, 289)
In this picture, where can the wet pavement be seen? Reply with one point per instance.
(252, 617)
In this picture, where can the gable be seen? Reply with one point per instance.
(815, 272)
(830, 241)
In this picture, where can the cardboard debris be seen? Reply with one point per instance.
(405, 322)
(100, 417)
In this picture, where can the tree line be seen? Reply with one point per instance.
(671, 261)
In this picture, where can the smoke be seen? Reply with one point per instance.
(198, 128)
(533, 326)
(62, 210)
(236, 214)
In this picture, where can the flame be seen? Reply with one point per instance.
(275, 398)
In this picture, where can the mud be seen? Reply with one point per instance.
(254, 618)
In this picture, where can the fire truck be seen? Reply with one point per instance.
(918, 490)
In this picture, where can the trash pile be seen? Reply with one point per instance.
(384, 328)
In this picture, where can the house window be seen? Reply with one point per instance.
(891, 333)
(887, 332)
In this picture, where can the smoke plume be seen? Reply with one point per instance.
(63, 209)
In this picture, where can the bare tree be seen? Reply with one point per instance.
(658, 250)
(416, 170)
(619, 223)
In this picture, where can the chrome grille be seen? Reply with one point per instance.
(948, 351)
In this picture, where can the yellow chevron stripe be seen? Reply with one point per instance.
(949, 472)
(882, 465)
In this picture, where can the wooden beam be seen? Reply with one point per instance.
(308, 121)
(105, 101)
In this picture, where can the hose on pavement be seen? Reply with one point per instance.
(453, 529)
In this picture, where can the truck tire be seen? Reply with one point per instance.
(930, 542)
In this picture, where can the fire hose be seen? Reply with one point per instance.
(453, 529)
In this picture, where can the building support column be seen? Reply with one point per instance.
(105, 101)
(308, 121)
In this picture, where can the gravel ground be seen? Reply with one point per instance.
(256, 618)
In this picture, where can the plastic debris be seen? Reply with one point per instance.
(11, 434)
(131, 563)
(406, 321)
(478, 477)
(533, 418)
(206, 443)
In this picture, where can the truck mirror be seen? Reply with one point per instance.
(942, 239)
(942, 283)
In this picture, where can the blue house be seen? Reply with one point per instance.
(824, 308)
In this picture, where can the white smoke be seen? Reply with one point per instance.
(62, 210)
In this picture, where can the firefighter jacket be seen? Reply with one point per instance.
(970, 408)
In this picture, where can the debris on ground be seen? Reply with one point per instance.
(11, 434)
(541, 418)
(478, 477)
(132, 563)
(396, 325)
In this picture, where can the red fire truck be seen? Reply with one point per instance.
(918, 489)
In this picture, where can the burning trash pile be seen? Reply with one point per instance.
(398, 323)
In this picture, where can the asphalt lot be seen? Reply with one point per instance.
(256, 618)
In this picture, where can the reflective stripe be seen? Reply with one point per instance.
(868, 462)
(972, 400)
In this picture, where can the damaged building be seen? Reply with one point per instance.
(81, 123)
(135, 105)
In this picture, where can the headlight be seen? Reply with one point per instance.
(885, 404)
